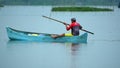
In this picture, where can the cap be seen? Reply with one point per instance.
(73, 19)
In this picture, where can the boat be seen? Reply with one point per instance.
(18, 35)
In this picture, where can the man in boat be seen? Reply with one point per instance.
(74, 26)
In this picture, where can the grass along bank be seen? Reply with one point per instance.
(82, 9)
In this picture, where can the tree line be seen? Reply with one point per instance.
(59, 2)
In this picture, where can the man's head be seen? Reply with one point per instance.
(73, 20)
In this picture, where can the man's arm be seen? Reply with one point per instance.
(68, 27)
(80, 27)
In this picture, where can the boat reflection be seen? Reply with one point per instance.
(75, 49)
(11, 43)
(33, 49)
(26, 44)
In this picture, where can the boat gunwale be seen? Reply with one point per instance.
(27, 32)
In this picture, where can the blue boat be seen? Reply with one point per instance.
(16, 35)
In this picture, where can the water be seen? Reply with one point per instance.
(101, 51)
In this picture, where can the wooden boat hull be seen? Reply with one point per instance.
(43, 37)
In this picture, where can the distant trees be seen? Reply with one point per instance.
(1, 3)
(59, 2)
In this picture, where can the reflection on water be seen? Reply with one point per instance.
(74, 48)
(11, 43)
(62, 55)
(74, 53)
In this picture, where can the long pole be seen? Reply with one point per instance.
(66, 24)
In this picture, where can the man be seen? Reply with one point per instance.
(74, 26)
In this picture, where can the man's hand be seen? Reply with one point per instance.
(65, 23)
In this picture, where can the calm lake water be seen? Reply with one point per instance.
(101, 51)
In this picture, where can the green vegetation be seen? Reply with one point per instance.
(83, 9)
(60, 2)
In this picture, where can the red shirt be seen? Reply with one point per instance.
(72, 25)
(75, 27)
